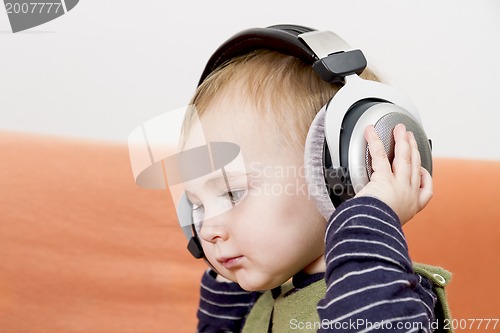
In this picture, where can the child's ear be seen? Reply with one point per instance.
(314, 166)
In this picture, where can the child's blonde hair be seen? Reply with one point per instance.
(285, 90)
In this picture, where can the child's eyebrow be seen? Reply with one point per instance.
(224, 178)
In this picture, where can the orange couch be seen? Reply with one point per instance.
(83, 249)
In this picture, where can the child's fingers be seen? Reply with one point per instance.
(416, 163)
(380, 162)
(402, 164)
(426, 188)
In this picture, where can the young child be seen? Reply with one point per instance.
(276, 263)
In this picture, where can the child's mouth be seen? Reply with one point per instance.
(229, 263)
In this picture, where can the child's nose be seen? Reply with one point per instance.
(214, 229)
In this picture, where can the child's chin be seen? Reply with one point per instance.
(250, 284)
(250, 288)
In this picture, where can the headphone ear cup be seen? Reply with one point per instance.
(385, 128)
(343, 181)
(314, 166)
(384, 117)
(338, 177)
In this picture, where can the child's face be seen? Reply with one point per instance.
(274, 230)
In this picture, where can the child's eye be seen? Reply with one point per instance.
(229, 198)
(235, 197)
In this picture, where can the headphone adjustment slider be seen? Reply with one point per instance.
(336, 66)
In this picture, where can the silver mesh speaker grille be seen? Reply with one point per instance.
(385, 126)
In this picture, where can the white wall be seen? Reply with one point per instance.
(107, 66)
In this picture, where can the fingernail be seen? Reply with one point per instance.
(400, 127)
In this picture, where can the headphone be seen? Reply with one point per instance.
(336, 159)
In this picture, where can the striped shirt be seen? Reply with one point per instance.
(369, 278)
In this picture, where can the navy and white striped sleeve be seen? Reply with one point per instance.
(223, 306)
(369, 274)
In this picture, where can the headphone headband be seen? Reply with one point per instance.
(280, 38)
(330, 56)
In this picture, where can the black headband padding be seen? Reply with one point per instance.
(280, 38)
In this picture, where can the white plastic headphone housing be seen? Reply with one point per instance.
(355, 90)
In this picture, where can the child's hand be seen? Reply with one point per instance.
(406, 187)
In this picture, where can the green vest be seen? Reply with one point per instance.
(297, 312)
